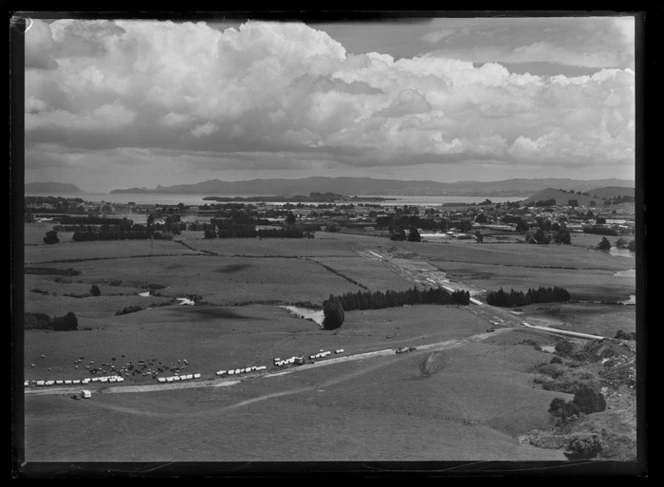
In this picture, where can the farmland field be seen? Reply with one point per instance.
(467, 398)
(427, 406)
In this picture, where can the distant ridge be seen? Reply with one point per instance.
(370, 186)
(52, 188)
(597, 195)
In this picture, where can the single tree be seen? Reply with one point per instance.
(94, 290)
(604, 244)
(621, 243)
(563, 237)
(290, 218)
(479, 237)
(65, 323)
(51, 237)
(414, 235)
(481, 218)
(333, 313)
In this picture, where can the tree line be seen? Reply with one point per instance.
(94, 220)
(514, 298)
(250, 232)
(41, 321)
(392, 299)
(115, 235)
(334, 306)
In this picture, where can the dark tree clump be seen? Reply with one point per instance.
(51, 237)
(67, 322)
(333, 312)
(414, 235)
(564, 347)
(604, 244)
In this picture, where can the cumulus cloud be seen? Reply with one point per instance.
(291, 91)
(592, 42)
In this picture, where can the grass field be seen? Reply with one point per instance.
(324, 244)
(592, 285)
(512, 254)
(370, 273)
(104, 250)
(452, 405)
(595, 319)
(214, 338)
(464, 403)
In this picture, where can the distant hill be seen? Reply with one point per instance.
(370, 186)
(598, 195)
(52, 188)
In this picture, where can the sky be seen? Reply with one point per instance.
(114, 104)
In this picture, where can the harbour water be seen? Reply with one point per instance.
(197, 199)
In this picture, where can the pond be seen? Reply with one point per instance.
(314, 315)
(145, 294)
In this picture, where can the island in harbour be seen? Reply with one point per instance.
(313, 197)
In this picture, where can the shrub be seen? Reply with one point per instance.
(563, 411)
(621, 335)
(604, 244)
(129, 309)
(36, 321)
(556, 360)
(589, 400)
(51, 237)
(67, 322)
(551, 370)
(583, 446)
(564, 347)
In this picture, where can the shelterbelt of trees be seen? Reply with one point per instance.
(334, 306)
(514, 298)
